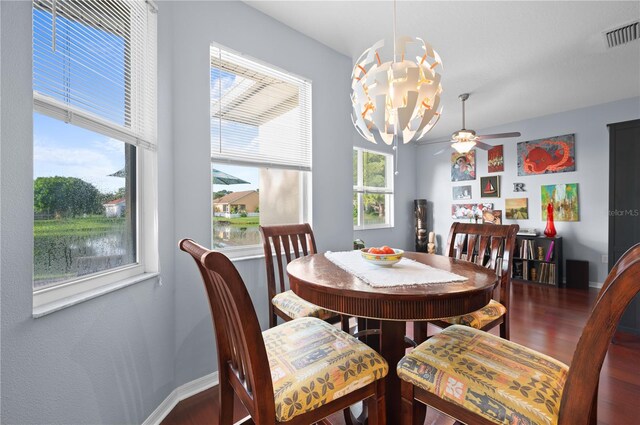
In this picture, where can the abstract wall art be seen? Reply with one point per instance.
(564, 198)
(463, 166)
(495, 159)
(545, 156)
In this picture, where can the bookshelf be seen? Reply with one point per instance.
(538, 259)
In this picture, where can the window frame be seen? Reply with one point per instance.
(359, 189)
(306, 176)
(144, 188)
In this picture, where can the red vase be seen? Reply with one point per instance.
(550, 230)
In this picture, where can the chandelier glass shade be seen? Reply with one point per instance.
(399, 98)
(464, 140)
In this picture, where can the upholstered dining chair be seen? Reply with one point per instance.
(491, 246)
(296, 373)
(291, 241)
(480, 378)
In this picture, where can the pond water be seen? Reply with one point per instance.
(229, 235)
(64, 257)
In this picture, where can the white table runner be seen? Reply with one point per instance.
(405, 272)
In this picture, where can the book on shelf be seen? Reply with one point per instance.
(549, 255)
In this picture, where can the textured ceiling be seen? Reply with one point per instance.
(517, 59)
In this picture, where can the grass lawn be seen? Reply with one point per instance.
(246, 221)
(81, 226)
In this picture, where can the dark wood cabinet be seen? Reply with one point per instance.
(538, 259)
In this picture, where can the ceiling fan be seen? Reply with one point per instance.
(464, 140)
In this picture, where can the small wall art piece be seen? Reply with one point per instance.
(517, 208)
(469, 211)
(545, 156)
(463, 166)
(490, 187)
(492, 217)
(496, 159)
(462, 192)
(564, 198)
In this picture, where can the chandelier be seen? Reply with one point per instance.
(398, 100)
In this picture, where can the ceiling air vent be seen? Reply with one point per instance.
(623, 35)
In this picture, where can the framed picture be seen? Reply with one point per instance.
(461, 192)
(564, 198)
(545, 156)
(492, 217)
(463, 166)
(469, 211)
(495, 159)
(490, 187)
(517, 208)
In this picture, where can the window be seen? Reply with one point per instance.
(94, 145)
(260, 150)
(372, 189)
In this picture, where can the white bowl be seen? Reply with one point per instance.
(382, 260)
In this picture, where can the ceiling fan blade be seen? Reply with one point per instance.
(499, 135)
(440, 151)
(484, 146)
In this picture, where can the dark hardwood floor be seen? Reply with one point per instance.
(546, 319)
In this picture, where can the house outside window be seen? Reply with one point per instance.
(372, 189)
(94, 130)
(260, 150)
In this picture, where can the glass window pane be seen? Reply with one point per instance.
(355, 167)
(72, 73)
(375, 208)
(375, 174)
(355, 209)
(245, 197)
(84, 202)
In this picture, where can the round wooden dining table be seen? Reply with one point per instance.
(320, 281)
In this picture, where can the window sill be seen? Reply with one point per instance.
(63, 303)
(247, 252)
(380, 226)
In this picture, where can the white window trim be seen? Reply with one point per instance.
(248, 252)
(360, 188)
(74, 291)
(71, 292)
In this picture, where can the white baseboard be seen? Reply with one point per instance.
(182, 392)
(595, 284)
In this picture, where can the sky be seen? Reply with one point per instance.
(63, 73)
(66, 74)
(61, 149)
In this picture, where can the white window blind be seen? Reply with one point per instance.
(95, 66)
(260, 116)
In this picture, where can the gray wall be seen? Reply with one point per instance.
(586, 239)
(108, 360)
(243, 29)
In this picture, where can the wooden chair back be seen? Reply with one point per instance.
(288, 241)
(488, 245)
(580, 391)
(243, 365)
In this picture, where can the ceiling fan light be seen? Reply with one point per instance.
(463, 146)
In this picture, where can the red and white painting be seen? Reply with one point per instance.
(546, 156)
